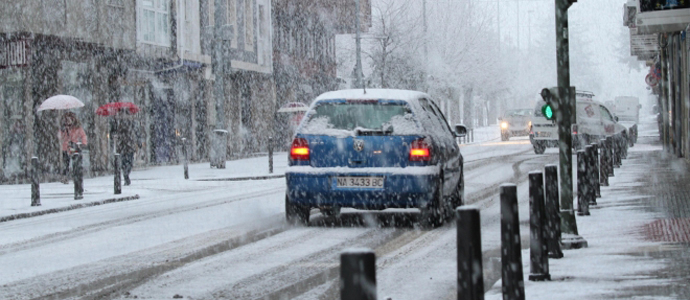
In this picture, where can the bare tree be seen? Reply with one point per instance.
(391, 41)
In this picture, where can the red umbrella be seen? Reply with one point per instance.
(112, 108)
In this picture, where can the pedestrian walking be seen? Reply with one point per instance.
(72, 137)
(126, 139)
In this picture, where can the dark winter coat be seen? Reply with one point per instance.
(123, 133)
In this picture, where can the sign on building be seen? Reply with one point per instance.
(654, 5)
(14, 53)
(658, 16)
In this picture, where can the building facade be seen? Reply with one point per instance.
(304, 54)
(658, 37)
(154, 53)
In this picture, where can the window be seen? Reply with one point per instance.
(605, 114)
(263, 57)
(211, 12)
(155, 22)
(231, 13)
(248, 25)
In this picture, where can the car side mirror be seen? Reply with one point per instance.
(500, 119)
(460, 130)
(615, 118)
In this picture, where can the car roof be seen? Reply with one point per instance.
(368, 94)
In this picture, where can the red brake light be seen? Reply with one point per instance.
(574, 128)
(299, 149)
(420, 151)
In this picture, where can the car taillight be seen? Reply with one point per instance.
(574, 128)
(420, 151)
(300, 149)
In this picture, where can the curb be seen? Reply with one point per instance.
(244, 178)
(66, 208)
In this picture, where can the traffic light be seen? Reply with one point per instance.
(548, 109)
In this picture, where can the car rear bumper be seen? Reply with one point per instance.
(402, 188)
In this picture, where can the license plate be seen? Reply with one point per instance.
(360, 182)
(543, 134)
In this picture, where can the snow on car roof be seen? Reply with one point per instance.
(368, 94)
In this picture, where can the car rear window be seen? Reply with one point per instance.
(360, 118)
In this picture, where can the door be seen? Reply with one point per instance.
(163, 126)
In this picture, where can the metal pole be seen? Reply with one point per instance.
(186, 158)
(582, 201)
(78, 176)
(553, 216)
(469, 247)
(565, 116)
(610, 161)
(603, 164)
(35, 187)
(617, 152)
(358, 39)
(117, 179)
(358, 275)
(539, 258)
(595, 173)
(270, 155)
(511, 258)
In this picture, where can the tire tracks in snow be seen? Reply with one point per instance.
(92, 228)
(290, 280)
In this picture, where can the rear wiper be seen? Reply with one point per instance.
(372, 132)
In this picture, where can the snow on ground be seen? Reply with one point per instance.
(610, 263)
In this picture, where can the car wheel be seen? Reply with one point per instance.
(457, 200)
(539, 147)
(331, 211)
(295, 213)
(505, 136)
(431, 215)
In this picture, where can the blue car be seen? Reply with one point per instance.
(374, 149)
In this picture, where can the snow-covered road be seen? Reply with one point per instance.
(228, 240)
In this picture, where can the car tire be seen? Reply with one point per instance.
(432, 214)
(505, 136)
(457, 200)
(331, 211)
(539, 147)
(295, 213)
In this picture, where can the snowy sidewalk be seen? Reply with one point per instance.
(15, 200)
(638, 236)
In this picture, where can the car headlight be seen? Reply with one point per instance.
(504, 125)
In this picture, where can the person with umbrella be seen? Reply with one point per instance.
(70, 135)
(125, 137)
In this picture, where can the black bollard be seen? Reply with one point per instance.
(469, 245)
(78, 176)
(186, 158)
(617, 152)
(358, 275)
(538, 248)
(116, 169)
(511, 259)
(609, 156)
(582, 201)
(624, 147)
(35, 187)
(603, 166)
(593, 171)
(553, 211)
(270, 155)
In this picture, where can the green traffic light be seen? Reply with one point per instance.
(547, 111)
